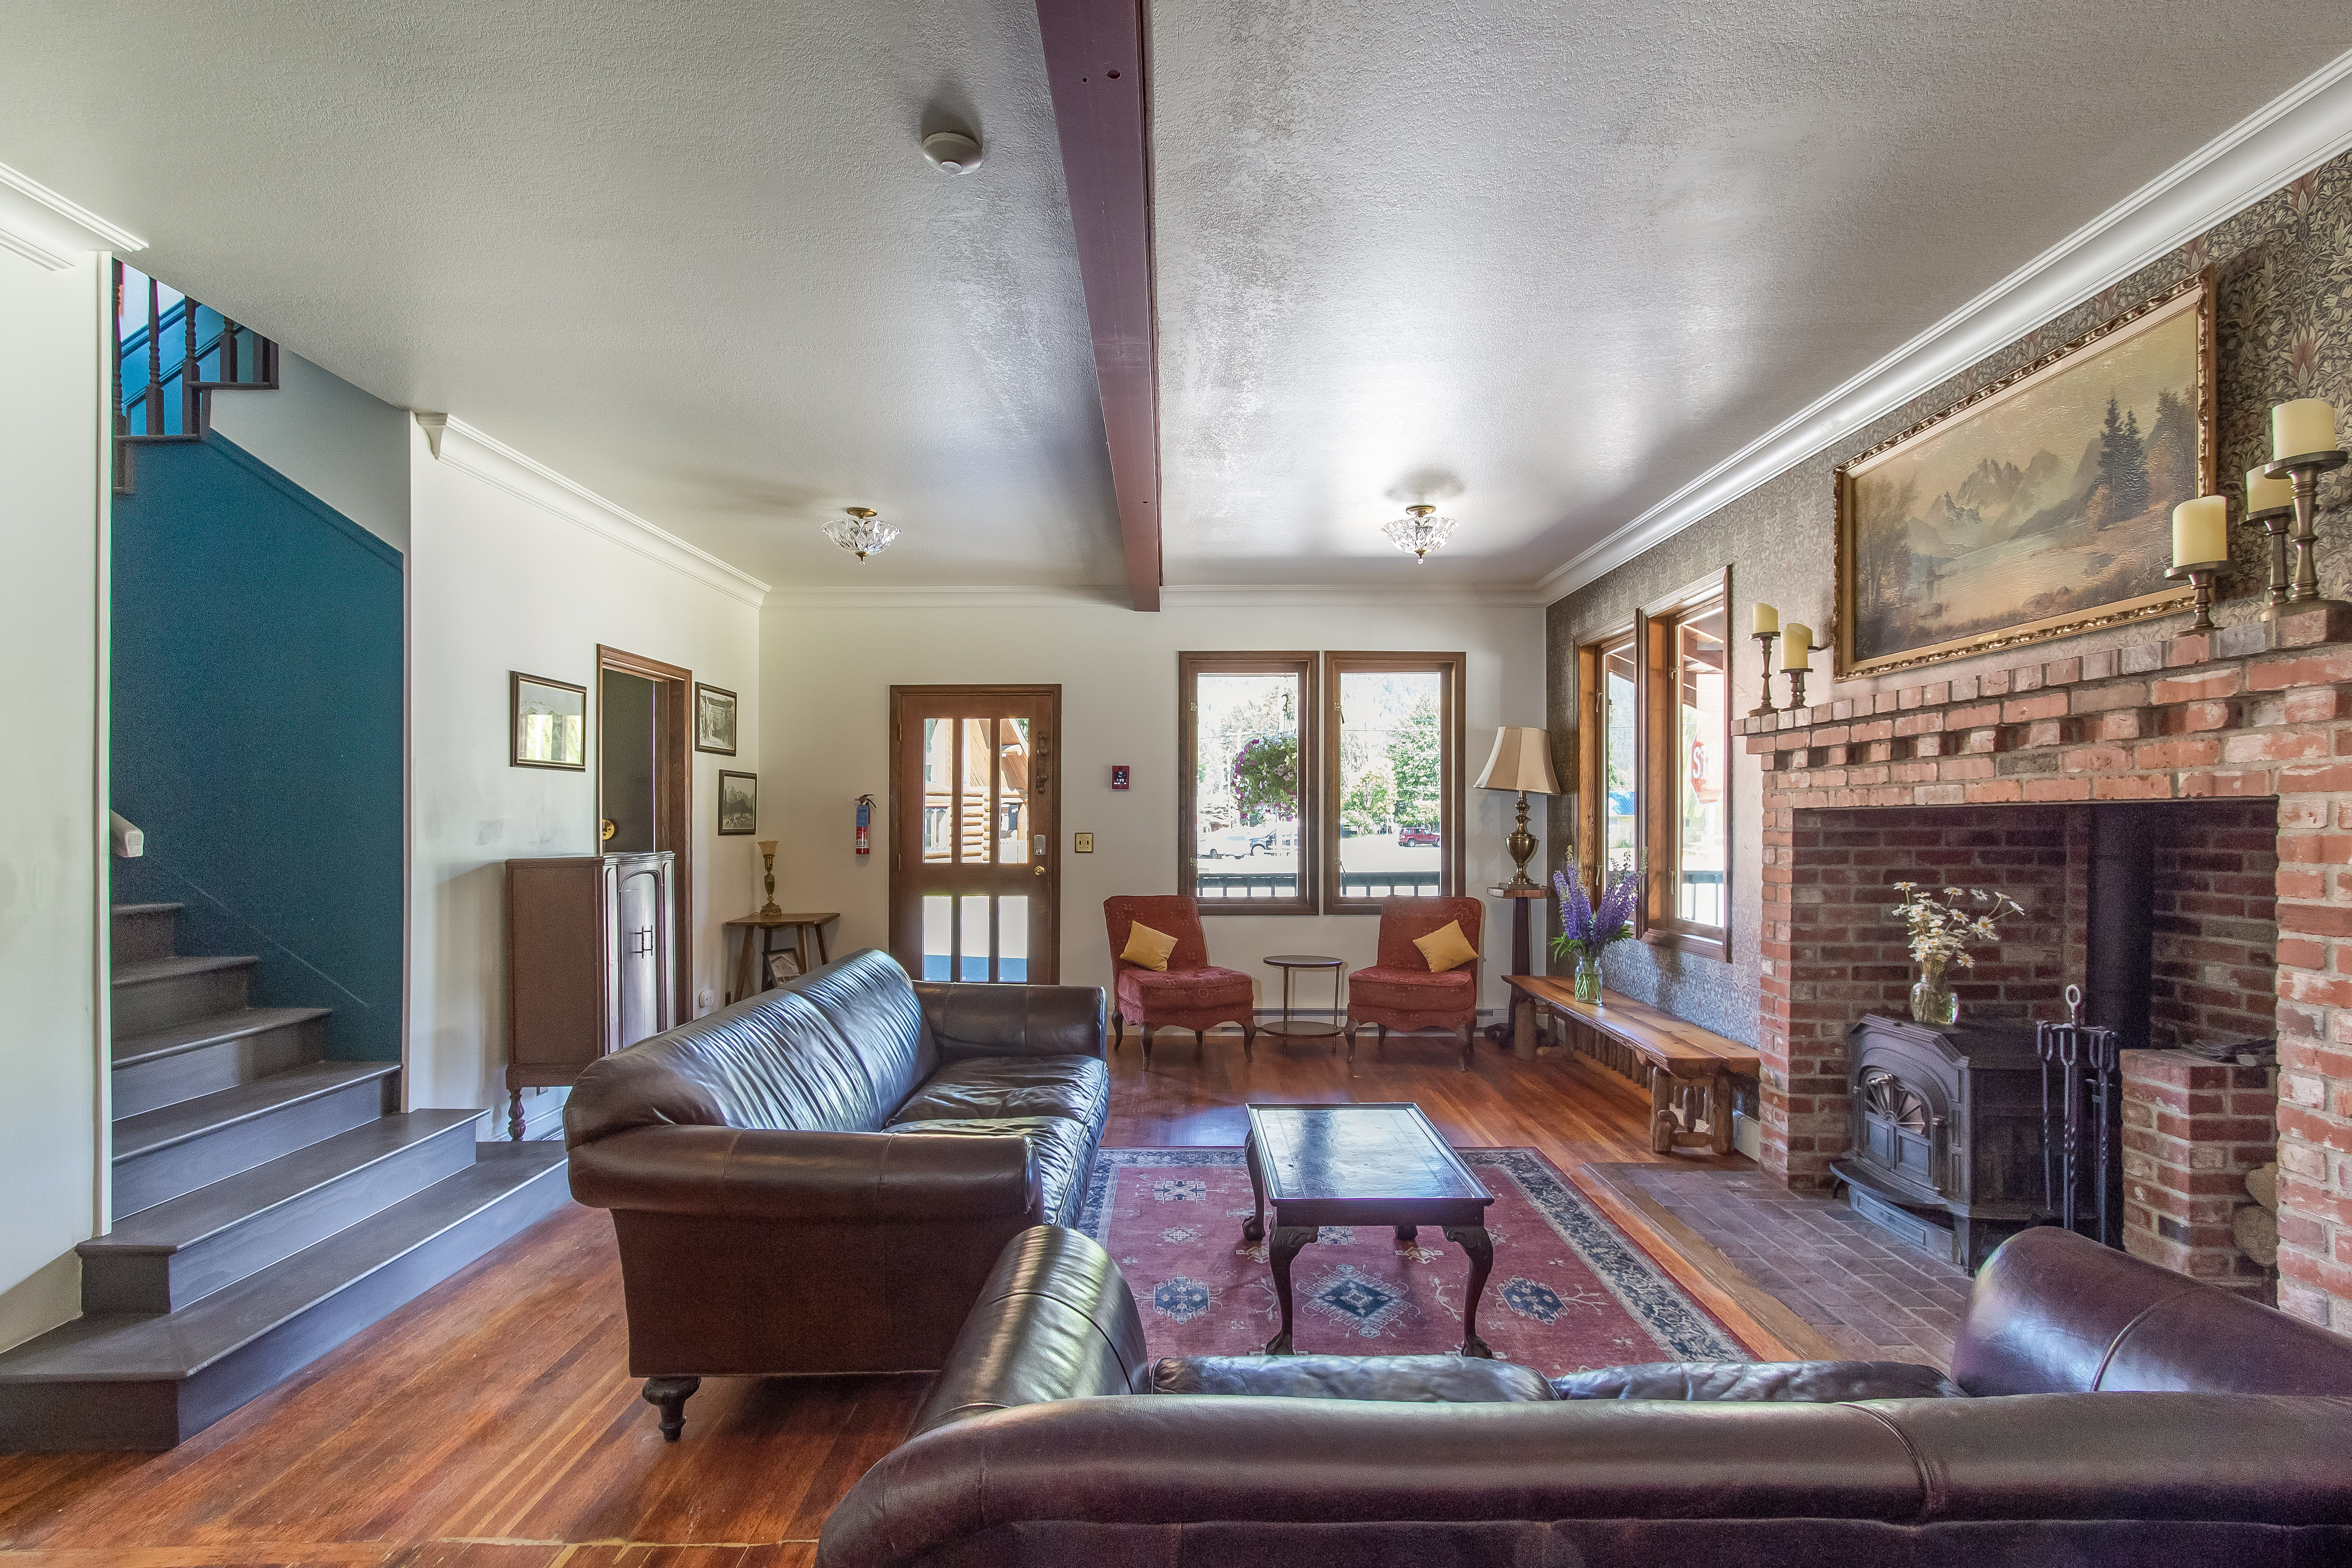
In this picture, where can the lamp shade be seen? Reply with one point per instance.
(1521, 761)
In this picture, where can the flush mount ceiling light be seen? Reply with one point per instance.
(1419, 531)
(865, 533)
(953, 151)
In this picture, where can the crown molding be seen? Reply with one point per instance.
(2279, 142)
(460, 445)
(1114, 597)
(51, 231)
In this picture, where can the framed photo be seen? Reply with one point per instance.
(549, 722)
(714, 720)
(739, 802)
(2039, 508)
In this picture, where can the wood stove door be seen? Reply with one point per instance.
(1903, 1128)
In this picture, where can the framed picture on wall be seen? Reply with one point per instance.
(2039, 507)
(714, 720)
(549, 722)
(739, 802)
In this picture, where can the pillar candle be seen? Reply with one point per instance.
(2306, 425)
(2200, 532)
(2265, 493)
(1796, 645)
(1767, 620)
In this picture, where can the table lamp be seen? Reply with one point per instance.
(768, 854)
(1522, 762)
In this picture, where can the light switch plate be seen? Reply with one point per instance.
(1082, 843)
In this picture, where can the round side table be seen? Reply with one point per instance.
(1291, 1028)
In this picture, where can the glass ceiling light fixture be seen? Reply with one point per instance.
(1419, 531)
(865, 533)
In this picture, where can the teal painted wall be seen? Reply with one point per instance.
(257, 732)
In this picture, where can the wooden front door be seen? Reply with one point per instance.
(975, 875)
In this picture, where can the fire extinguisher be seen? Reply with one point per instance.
(865, 823)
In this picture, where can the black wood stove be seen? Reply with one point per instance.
(1946, 1133)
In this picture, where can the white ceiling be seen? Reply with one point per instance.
(1537, 263)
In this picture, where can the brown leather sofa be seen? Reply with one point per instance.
(2100, 1410)
(819, 1179)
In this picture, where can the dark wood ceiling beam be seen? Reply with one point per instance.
(1095, 66)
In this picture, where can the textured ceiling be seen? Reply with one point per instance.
(1535, 262)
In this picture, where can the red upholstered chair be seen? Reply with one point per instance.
(1398, 992)
(1192, 993)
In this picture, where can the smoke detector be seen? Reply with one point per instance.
(953, 151)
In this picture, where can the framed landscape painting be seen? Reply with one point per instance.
(739, 802)
(714, 720)
(2039, 508)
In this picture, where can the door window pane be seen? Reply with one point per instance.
(1619, 769)
(939, 936)
(1391, 805)
(1703, 836)
(1013, 940)
(1246, 791)
(939, 798)
(974, 941)
(1012, 792)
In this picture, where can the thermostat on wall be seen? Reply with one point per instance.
(1119, 775)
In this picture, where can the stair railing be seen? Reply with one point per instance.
(158, 397)
(129, 843)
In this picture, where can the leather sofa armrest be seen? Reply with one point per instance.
(881, 1178)
(1014, 1020)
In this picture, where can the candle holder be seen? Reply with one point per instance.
(2200, 574)
(768, 854)
(2277, 521)
(2306, 471)
(1766, 639)
(1795, 687)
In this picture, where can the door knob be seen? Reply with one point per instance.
(1041, 871)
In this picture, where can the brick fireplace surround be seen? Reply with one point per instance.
(1856, 796)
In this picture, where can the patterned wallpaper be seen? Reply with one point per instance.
(2282, 329)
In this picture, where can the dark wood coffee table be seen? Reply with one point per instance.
(1362, 1164)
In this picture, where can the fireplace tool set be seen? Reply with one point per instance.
(2082, 1123)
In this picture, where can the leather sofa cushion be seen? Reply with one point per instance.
(1063, 1148)
(1420, 1379)
(1077, 1088)
(1793, 1382)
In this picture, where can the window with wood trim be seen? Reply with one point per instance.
(1653, 783)
(1391, 778)
(1247, 733)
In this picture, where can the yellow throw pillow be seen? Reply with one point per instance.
(1148, 949)
(1446, 948)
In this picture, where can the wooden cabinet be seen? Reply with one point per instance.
(590, 948)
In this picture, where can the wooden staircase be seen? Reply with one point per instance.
(268, 1204)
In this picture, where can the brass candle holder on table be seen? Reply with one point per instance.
(768, 854)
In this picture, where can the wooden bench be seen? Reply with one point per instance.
(1690, 1070)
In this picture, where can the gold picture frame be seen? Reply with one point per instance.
(1989, 522)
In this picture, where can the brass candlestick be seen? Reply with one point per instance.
(2306, 471)
(768, 854)
(2275, 521)
(1795, 687)
(1767, 639)
(2200, 576)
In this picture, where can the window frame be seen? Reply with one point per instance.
(1448, 666)
(1307, 667)
(1656, 733)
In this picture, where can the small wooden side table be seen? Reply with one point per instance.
(1290, 1028)
(760, 941)
(1516, 1033)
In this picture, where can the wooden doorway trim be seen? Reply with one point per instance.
(1045, 967)
(673, 795)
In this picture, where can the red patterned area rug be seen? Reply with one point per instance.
(1570, 1291)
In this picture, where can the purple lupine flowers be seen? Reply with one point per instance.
(1585, 928)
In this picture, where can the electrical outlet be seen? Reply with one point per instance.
(1082, 843)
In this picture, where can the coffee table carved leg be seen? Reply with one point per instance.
(1472, 1239)
(1254, 1228)
(1407, 1232)
(1287, 1240)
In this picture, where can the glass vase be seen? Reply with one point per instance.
(1931, 1000)
(1588, 978)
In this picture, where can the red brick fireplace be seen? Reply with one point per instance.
(1997, 781)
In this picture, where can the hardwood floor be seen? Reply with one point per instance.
(491, 1423)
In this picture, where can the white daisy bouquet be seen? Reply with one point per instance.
(1942, 930)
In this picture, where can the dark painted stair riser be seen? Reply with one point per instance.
(155, 1160)
(164, 992)
(143, 932)
(207, 1055)
(179, 1251)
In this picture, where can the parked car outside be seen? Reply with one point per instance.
(1414, 837)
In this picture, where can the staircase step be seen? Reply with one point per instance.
(145, 932)
(148, 1381)
(184, 1249)
(203, 1054)
(159, 992)
(159, 1154)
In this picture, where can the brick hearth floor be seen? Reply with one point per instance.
(1876, 1298)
